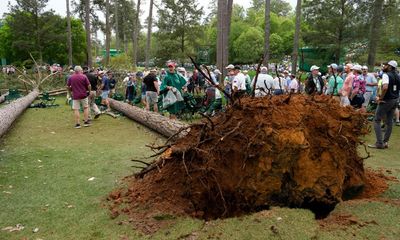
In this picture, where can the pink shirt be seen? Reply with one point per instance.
(347, 85)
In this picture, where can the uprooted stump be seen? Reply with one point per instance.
(294, 151)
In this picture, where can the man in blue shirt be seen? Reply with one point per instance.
(105, 89)
(371, 85)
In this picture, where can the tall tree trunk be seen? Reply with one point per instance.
(9, 113)
(88, 34)
(375, 31)
(117, 25)
(149, 32)
(152, 120)
(69, 35)
(220, 26)
(38, 42)
(125, 43)
(136, 34)
(267, 31)
(340, 31)
(227, 32)
(223, 30)
(108, 32)
(296, 37)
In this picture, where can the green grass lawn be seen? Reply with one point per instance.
(45, 165)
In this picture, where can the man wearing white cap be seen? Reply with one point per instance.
(314, 84)
(387, 102)
(371, 85)
(264, 84)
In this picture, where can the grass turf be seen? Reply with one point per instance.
(45, 165)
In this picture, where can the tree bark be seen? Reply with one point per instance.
(152, 120)
(296, 37)
(88, 34)
(136, 34)
(9, 113)
(227, 32)
(3, 97)
(149, 32)
(223, 31)
(375, 32)
(108, 32)
(69, 35)
(116, 24)
(267, 31)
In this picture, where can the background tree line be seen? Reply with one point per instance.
(365, 30)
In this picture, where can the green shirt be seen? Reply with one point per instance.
(331, 85)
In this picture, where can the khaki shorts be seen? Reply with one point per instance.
(76, 104)
(151, 97)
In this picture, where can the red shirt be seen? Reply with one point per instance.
(79, 85)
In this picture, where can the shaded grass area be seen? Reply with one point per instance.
(45, 165)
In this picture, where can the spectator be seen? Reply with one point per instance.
(131, 89)
(387, 101)
(238, 83)
(78, 86)
(264, 83)
(294, 84)
(358, 88)
(371, 85)
(152, 91)
(112, 83)
(105, 89)
(173, 82)
(92, 96)
(347, 85)
(335, 82)
(279, 85)
(315, 84)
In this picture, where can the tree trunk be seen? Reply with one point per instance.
(375, 32)
(267, 31)
(108, 32)
(9, 113)
(88, 34)
(116, 25)
(227, 32)
(296, 37)
(220, 25)
(3, 97)
(152, 120)
(125, 43)
(69, 40)
(149, 31)
(136, 34)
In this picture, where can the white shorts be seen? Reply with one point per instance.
(76, 104)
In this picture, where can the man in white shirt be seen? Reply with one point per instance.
(264, 83)
(294, 84)
(238, 83)
(279, 85)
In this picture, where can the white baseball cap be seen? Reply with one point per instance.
(357, 67)
(333, 65)
(230, 66)
(393, 63)
(364, 67)
(313, 67)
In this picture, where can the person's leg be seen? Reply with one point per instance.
(389, 120)
(148, 100)
(380, 112)
(77, 116)
(397, 115)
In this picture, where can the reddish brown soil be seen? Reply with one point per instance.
(293, 151)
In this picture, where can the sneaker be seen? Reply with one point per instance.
(77, 125)
(97, 116)
(87, 123)
(386, 145)
(377, 146)
(397, 123)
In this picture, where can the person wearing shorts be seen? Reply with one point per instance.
(78, 86)
(152, 90)
(105, 90)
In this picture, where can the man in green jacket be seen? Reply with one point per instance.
(173, 81)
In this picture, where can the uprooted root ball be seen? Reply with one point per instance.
(294, 151)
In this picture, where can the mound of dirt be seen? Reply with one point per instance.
(294, 151)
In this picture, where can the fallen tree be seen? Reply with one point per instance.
(10, 112)
(3, 97)
(152, 120)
